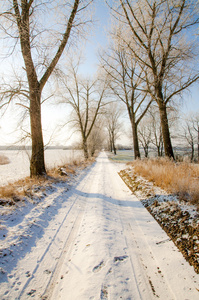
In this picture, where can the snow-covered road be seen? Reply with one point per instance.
(98, 243)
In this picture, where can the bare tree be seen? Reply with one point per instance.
(145, 134)
(97, 136)
(155, 33)
(189, 136)
(113, 124)
(191, 132)
(41, 49)
(85, 97)
(126, 83)
(195, 122)
(157, 138)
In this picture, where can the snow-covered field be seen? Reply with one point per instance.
(90, 238)
(20, 162)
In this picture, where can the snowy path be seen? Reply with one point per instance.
(101, 244)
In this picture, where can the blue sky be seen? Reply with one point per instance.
(191, 100)
(97, 39)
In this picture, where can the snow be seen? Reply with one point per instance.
(90, 238)
(19, 166)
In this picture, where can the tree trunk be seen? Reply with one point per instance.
(192, 152)
(161, 147)
(110, 142)
(85, 148)
(135, 140)
(37, 164)
(146, 151)
(114, 148)
(134, 132)
(165, 129)
(198, 143)
(110, 148)
(158, 149)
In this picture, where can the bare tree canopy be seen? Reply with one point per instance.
(43, 29)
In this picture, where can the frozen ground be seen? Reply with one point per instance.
(90, 239)
(19, 166)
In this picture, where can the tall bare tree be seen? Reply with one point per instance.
(195, 122)
(85, 97)
(191, 132)
(96, 137)
(126, 83)
(41, 49)
(157, 139)
(145, 134)
(189, 136)
(113, 124)
(155, 33)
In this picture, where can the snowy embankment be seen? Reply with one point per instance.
(90, 238)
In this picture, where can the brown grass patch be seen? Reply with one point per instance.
(14, 192)
(180, 178)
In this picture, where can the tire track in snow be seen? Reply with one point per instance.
(149, 279)
(67, 228)
(131, 282)
(70, 241)
(40, 266)
(72, 234)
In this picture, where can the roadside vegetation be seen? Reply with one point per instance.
(181, 178)
(35, 188)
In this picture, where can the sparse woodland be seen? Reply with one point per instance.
(144, 71)
(150, 61)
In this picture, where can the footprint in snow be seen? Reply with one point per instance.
(120, 258)
(31, 293)
(28, 274)
(47, 271)
(99, 266)
(104, 293)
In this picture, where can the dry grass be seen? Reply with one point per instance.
(4, 160)
(14, 192)
(181, 178)
(28, 187)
